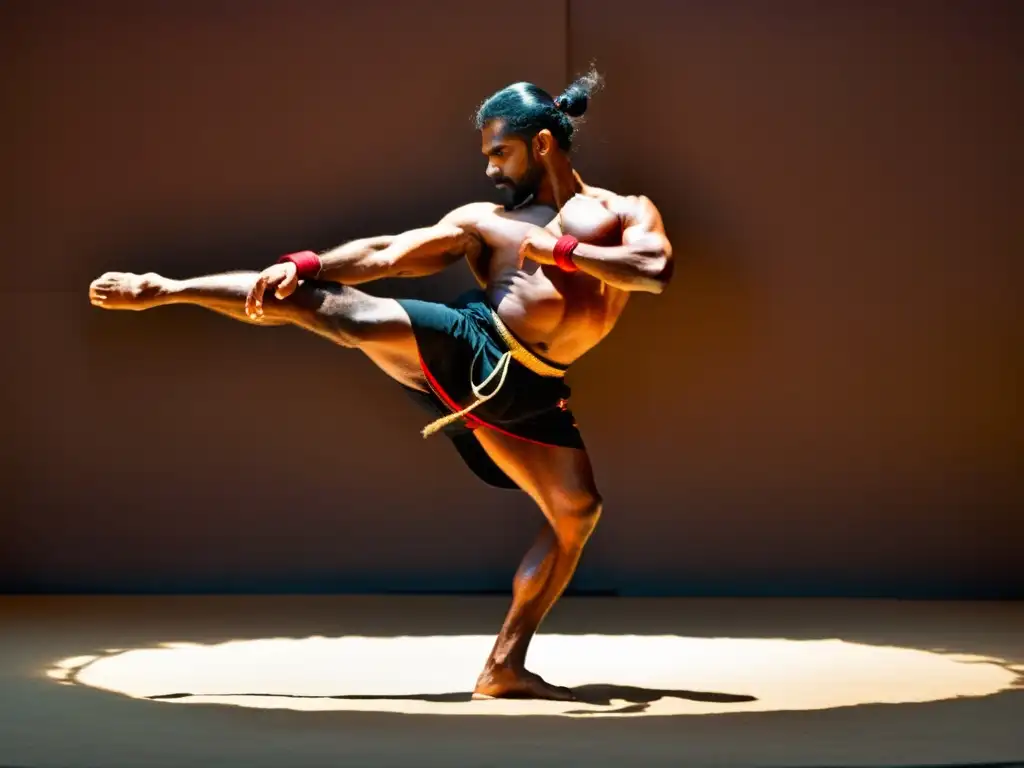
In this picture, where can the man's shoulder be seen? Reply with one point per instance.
(470, 214)
(600, 193)
(617, 202)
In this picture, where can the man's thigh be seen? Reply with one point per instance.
(379, 327)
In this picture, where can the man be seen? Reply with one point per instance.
(556, 264)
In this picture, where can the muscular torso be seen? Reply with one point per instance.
(559, 315)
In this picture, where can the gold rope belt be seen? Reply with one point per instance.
(524, 356)
(517, 352)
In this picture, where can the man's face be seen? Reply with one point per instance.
(510, 165)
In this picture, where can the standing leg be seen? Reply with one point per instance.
(561, 481)
(379, 327)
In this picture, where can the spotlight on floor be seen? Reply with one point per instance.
(613, 675)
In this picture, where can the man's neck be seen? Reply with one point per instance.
(560, 185)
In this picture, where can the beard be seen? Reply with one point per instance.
(519, 192)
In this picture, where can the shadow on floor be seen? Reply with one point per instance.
(603, 694)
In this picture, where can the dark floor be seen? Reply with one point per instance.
(46, 723)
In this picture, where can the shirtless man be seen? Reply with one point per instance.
(556, 264)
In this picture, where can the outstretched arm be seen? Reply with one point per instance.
(416, 253)
(642, 263)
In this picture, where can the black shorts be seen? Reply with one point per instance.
(459, 345)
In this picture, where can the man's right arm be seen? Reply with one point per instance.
(416, 253)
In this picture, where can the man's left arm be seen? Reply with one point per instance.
(643, 262)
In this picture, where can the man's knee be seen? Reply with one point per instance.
(576, 518)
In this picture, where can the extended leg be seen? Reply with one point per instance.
(561, 481)
(124, 290)
(342, 314)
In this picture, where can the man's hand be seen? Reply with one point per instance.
(538, 246)
(282, 278)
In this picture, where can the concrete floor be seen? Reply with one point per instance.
(330, 681)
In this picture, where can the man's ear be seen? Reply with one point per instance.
(543, 143)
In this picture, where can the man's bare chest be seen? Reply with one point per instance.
(585, 218)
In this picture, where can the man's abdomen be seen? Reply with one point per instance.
(559, 326)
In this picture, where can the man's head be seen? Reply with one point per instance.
(523, 129)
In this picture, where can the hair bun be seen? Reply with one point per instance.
(573, 101)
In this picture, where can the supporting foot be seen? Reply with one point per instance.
(123, 290)
(505, 682)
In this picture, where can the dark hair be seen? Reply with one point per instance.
(527, 109)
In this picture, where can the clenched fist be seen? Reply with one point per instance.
(539, 246)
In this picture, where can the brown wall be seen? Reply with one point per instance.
(826, 401)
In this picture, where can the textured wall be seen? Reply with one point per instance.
(826, 400)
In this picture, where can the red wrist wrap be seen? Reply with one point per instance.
(306, 262)
(564, 247)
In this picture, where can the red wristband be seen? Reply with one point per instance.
(307, 263)
(563, 250)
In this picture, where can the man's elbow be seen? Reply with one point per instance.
(657, 272)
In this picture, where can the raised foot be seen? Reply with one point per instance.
(123, 290)
(502, 682)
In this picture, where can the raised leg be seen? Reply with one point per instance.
(127, 291)
(561, 481)
(342, 314)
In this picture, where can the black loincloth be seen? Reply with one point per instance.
(528, 406)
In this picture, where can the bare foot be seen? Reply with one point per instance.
(503, 682)
(123, 290)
